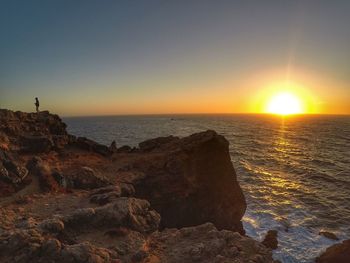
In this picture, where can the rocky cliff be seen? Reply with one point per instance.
(338, 253)
(68, 199)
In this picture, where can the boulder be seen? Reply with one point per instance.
(338, 253)
(52, 225)
(192, 181)
(42, 170)
(270, 239)
(133, 213)
(328, 235)
(90, 145)
(85, 178)
(108, 194)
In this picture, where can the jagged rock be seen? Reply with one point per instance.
(92, 146)
(124, 149)
(328, 235)
(124, 230)
(130, 212)
(13, 172)
(84, 252)
(204, 243)
(338, 253)
(86, 178)
(152, 144)
(20, 245)
(30, 132)
(51, 247)
(191, 181)
(270, 239)
(39, 168)
(25, 246)
(107, 194)
(135, 213)
(53, 225)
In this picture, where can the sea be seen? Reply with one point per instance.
(294, 170)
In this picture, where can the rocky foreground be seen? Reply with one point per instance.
(69, 199)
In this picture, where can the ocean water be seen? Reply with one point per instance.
(294, 171)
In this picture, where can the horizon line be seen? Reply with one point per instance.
(204, 113)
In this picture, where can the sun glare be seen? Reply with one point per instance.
(284, 103)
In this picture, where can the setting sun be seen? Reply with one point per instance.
(284, 103)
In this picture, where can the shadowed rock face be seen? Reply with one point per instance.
(338, 253)
(192, 181)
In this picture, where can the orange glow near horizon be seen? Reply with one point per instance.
(285, 98)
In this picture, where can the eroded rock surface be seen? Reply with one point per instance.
(68, 199)
(191, 181)
(69, 228)
(338, 253)
(204, 243)
(32, 132)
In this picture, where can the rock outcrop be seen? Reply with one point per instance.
(270, 239)
(204, 243)
(124, 229)
(338, 253)
(68, 199)
(191, 181)
(32, 132)
(85, 178)
(84, 234)
(92, 146)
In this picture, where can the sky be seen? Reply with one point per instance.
(183, 56)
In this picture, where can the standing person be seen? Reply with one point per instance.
(37, 104)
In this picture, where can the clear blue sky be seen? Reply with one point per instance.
(119, 57)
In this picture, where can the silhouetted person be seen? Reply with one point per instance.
(37, 104)
(113, 147)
